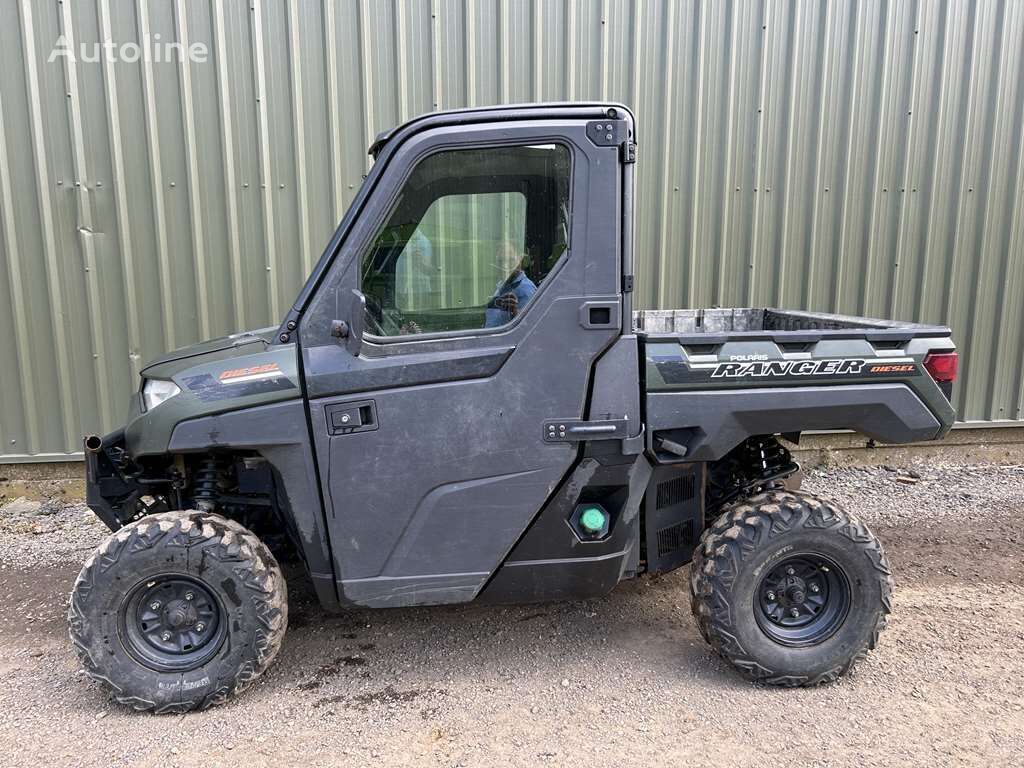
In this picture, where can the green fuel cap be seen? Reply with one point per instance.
(592, 519)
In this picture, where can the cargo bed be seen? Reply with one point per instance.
(764, 323)
(714, 376)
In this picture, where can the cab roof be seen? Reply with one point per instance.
(496, 113)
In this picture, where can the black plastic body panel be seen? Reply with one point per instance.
(616, 390)
(550, 562)
(714, 422)
(364, 374)
(673, 516)
(280, 433)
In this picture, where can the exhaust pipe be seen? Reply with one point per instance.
(93, 443)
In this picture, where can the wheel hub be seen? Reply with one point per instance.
(172, 623)
(802, 600)
(796, 595)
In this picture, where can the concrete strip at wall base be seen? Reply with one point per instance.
(41, 471)
(963, 446)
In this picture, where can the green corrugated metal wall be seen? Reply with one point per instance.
(864, 157)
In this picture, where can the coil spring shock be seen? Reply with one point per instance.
(756, 462)
(205, 485)
(767, 458)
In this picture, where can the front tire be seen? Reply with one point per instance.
(790, 588)
(178, 611)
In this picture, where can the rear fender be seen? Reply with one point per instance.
(708, 424)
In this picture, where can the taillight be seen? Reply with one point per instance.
(941, 365)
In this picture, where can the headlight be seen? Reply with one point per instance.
(155, 391)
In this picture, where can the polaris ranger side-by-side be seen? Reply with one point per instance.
(463, 405)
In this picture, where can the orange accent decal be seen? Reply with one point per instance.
(891, 369)
(255, 370)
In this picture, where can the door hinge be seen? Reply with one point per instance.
(627, 283)
(627, 151)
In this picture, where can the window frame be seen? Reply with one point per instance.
(407, 338)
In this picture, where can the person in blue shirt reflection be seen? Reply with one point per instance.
(513, 292)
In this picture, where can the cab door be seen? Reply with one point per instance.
(452, 337)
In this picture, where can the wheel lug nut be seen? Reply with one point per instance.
(155, 605)
(200, 627)
(165, 636)
(815, 588)
(790, 571)
(794, 613)
(189, 596)
(771, 595)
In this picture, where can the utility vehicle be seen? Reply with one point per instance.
(462, 404)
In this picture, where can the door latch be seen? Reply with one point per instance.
(575, 430)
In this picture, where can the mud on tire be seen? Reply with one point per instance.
(748, 547)
(234, 574)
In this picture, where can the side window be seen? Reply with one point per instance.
(470, 240)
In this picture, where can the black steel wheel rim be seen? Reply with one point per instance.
(802, 600)
(172, 623)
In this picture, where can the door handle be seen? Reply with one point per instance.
(346, 418)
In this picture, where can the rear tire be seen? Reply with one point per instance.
(790, 589)
(178, 611)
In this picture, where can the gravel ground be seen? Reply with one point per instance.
(621, 680)
(37, 534)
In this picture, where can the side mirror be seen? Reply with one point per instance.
(356, 322)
